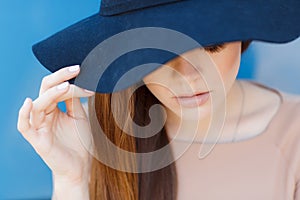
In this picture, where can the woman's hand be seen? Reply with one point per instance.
(57, 136)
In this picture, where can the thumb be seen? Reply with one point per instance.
(75, 108)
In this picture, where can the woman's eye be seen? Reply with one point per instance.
(215, 48)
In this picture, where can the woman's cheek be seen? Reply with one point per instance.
(228, 64)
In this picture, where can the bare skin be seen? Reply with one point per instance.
(177, 76)
(53, 134)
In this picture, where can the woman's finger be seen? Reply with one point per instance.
(74, 108)
(73, 105)
(23, 125)
(58, 77)
(46, 103)
(75, 92)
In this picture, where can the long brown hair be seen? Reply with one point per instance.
(107, 183)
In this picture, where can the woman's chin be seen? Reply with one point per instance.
(194, 114)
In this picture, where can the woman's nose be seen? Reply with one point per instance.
(186, 67)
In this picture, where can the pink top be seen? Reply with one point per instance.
(265, 167)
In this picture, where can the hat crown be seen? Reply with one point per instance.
(114, 7)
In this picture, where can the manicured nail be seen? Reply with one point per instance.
(62, 86)
(88, 91)
(74, 68)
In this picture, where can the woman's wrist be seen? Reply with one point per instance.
(65, 189)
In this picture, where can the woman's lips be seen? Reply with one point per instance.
(194, 100)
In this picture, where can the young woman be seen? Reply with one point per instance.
(257, 155)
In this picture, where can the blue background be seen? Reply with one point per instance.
(23, 175)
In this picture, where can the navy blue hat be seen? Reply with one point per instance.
(88, 43)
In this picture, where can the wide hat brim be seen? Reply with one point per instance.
(206, 22)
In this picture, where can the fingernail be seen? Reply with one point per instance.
(88, 91)
(62, 86)
(74, 68)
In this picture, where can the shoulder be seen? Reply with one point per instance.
(291, 107)
(288, 116)
(289, 127)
